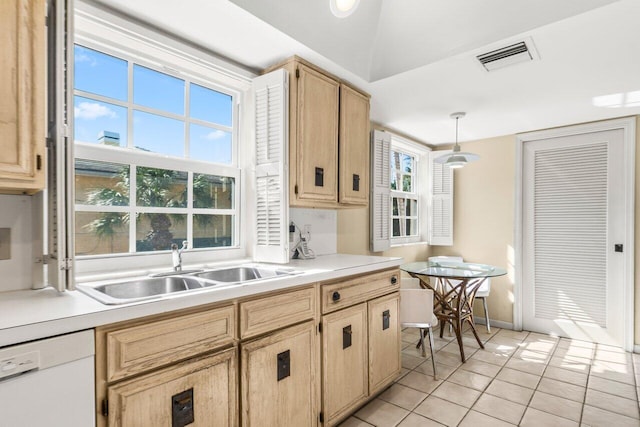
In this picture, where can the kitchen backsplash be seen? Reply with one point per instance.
(324, 226)
(16, 213)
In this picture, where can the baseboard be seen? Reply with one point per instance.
(497, 323)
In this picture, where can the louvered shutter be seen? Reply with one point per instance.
(441, 203)
(380, 191)
(271, 171)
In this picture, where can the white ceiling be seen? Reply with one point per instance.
(417, 57)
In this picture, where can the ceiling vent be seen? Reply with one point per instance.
(508, 55)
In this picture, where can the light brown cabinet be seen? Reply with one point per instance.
(328, 139)
(22, 85)
(361, 340)
(278, 377)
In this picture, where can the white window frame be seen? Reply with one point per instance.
(99, 29)
(420, 192)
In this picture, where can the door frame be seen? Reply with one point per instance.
(628, 125)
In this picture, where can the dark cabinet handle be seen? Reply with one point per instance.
(284, 364)
(182, 406)
(394, 280)
(356, 182)
(386, 317)
(346, 337)
(319, 181)
(335, 296)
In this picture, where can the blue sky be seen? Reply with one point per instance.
(107, 76)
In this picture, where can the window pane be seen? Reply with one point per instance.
(394, 206)
(412, 227)
(211, 231)
(407, 163)
(396, 227)
(210, 105)
(161, 188)
(158, 134)
(211, 191)
(99, 122)
(99, 73)
(209, 144)
(406, 183)
(158, 90)
(412, 207)
(394, 181)
(101, 233)
(101, 183)
(157, 231)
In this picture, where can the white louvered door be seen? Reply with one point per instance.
(380, 191)
(573, 216)
(271, 171)
(441, 203)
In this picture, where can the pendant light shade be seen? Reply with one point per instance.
(343, 8)
(456, 159)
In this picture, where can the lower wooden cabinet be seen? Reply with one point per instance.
(278, 377)
(344, 362)
(384, 341)
(198, 392)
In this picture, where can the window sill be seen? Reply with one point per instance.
(399, 245)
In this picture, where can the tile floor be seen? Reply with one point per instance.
(520, 378)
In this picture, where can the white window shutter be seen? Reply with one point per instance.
(380, 208)
(271, 98)
(441, 203)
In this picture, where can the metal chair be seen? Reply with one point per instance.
(482, 292)
(416, 311)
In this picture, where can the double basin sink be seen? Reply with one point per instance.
(123, 292)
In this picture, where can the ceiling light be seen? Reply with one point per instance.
(456, 159)
(343, 8)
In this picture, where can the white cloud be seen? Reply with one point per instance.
(92, 111)
(83, 57)
(215, 134)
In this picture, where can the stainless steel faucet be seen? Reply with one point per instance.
(176, 255)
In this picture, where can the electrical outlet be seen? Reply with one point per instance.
(5, 243)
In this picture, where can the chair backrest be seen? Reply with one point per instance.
(410, 283)
(416, 306)
(484, 288)
(446, 258)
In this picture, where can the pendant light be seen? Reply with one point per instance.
(457, 158)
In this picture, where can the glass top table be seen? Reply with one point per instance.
(454, 289)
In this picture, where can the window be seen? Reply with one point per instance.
(405, 194)
(155, 158)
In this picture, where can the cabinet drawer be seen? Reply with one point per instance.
(337, 295)
(148, 346)
(274, 312)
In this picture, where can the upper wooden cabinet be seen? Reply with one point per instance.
(22, 84)
(328, 139)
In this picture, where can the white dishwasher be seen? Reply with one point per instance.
(48, 382)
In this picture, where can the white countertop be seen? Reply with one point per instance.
(33, 314)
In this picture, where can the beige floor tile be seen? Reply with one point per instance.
(463, 396)
(354, 422)
(480, 367)
(415, 420)
(442, 411)
(502, 348)
(577, 364)
(469, 379)
(506, 341)
(518, 377)
(537, 337)
(536, 418)
(449, 359)
(612, 403)
(454, 349)
(442, 371)
(403, 396)
(478, 419)
(597, 417)
(512, 392)
(612, 387)
(420, 382)
(562, 389)
(403, 372)
(498, 359)
(620, 372)
(555, 405)
(471, 342)
(611, 356)
(530, 367)
(532, 356)
(545, 347)
(412, 351)
(586, 353)
(566, 375)
(568, 343)
(411, 362)
(517, 335)
(382, 414)
(496, 407)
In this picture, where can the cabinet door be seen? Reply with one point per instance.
(354, 147)
(384, 341)
(22, 83)
(317, 136)
(344, 361)
(200, 392)
(279, 379)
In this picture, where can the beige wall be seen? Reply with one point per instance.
(484, 197)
